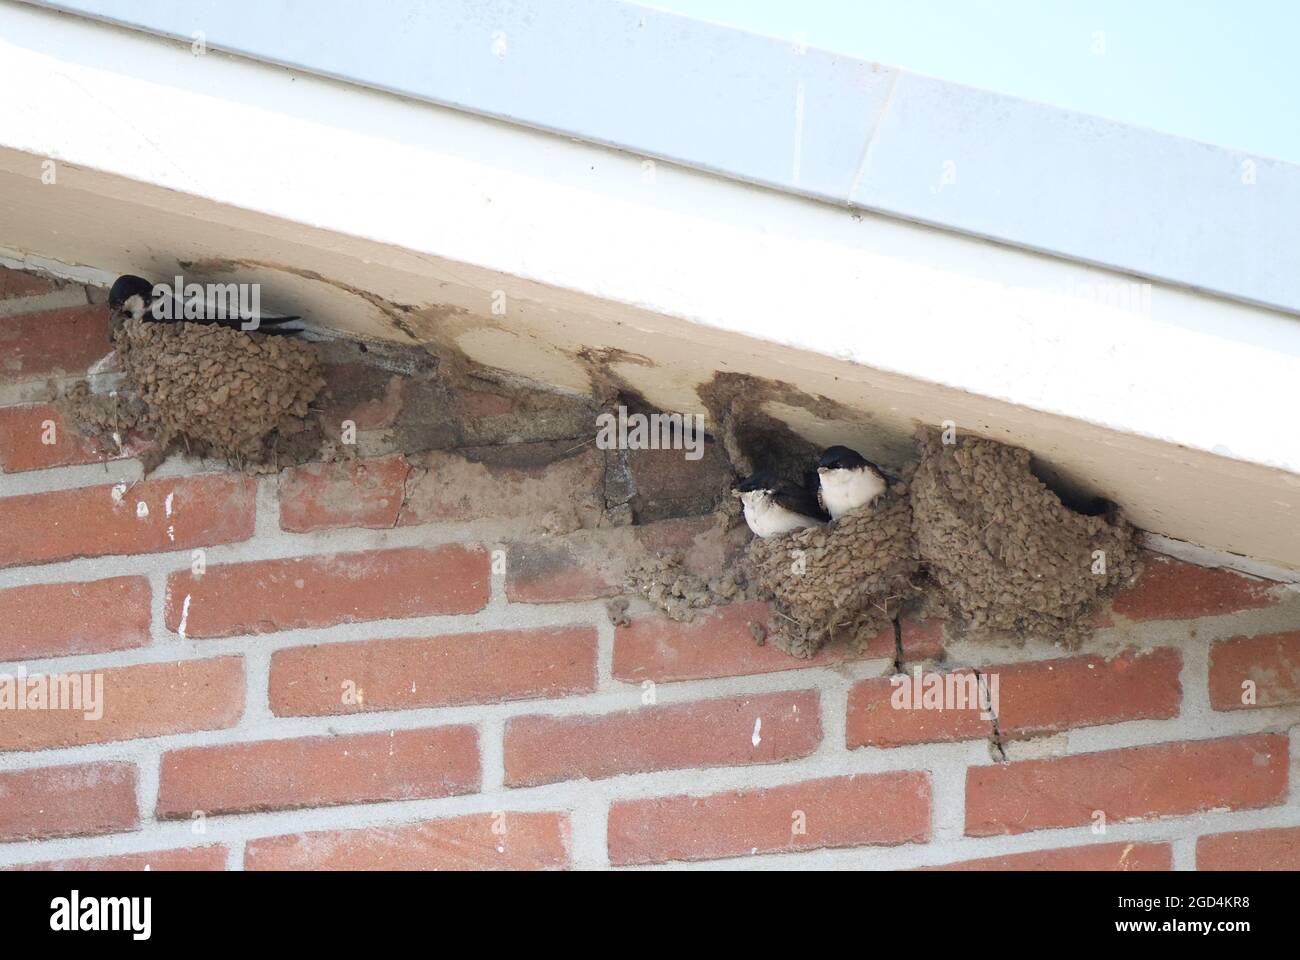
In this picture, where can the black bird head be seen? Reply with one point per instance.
(761, 480)
(842, 458)
(127, 286)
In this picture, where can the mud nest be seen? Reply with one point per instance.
(1007, 554)
(210, 391)
(110, 420)
(665, 581)
(846, 580)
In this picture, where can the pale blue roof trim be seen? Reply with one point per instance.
(800, 120)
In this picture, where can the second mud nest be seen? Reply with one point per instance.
(210, 391)
(1003, 549)
(846, 580)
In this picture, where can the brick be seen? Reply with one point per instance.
(922, 640)
(20, 283)
(52, 343)
(556, 572)
(443, 487)
(356, 493)
(187, 858)
(66, 619)
(479, 403)
(449, 488)
(405, 674)
(369, 396)
(1054, 695)
(1137, 783)
(1034, 699)
(319, 771)
(77, 800)
(23, 432)
(764, 728)
(590, 564)
(1094, 857)
(148, 700)
(106, 520)
(301, 592)
(1275, 849)
(524, 426)
(717, 644)
(1271, 662)
(509, 841)
(882, 808)
(1169, 589)
(666, 484)
(721, 644)
(873, 721)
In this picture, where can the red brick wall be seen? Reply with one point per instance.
(349, 684)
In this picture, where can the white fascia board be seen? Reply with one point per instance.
(1038, 332)
(800, 120)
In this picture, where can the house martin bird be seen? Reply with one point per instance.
(134, 297)
(846, 480)
(773, 506)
